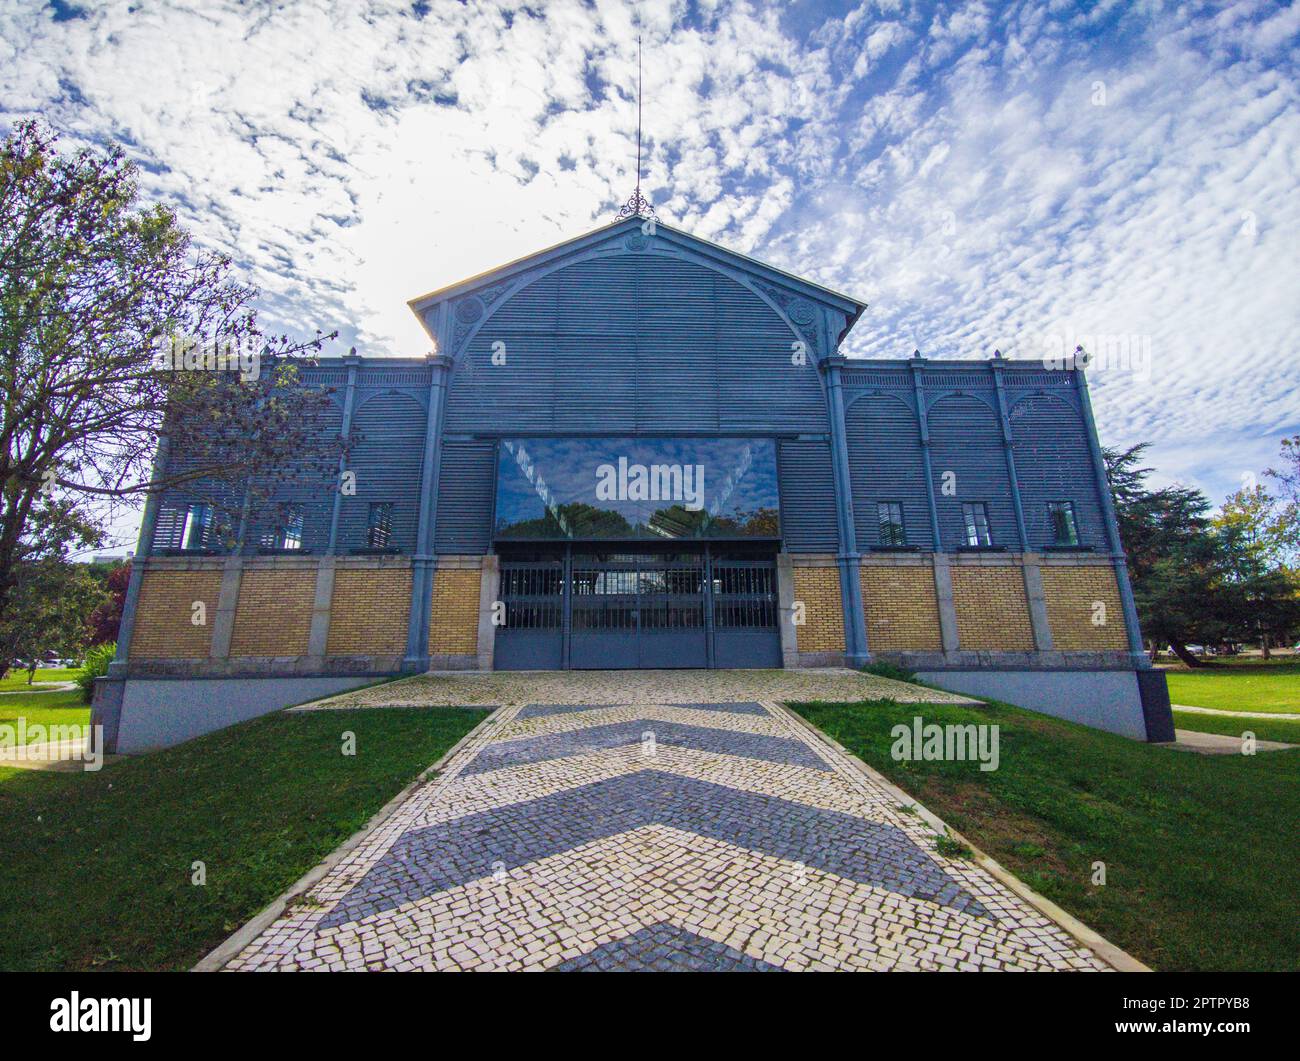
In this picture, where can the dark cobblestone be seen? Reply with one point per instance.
(502, 754)
(433, 859)
(665, 948)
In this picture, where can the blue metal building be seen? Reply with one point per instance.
(639, 449)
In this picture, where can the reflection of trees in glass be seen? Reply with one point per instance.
(581, 519)
(761, 523)
(679, 522)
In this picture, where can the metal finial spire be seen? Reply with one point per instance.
(638, 205)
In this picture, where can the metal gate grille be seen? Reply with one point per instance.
(632, 610)
(744, 594)
(532, 634)
(617, 610)
(745, 631)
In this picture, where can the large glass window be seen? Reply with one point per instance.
(582, 488)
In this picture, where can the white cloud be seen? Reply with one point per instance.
(949, 167)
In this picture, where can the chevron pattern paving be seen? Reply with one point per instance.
(695, 835)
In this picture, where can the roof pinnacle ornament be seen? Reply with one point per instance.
(638, 205)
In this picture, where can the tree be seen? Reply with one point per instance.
(105, 621)
(51, 596)
(1201, 578)
(94, 285)
(51, 602)
(1174, 559)
(1287, 476)
(1255, 532)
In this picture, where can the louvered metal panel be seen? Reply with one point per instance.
(968, 379)
(597, 379)
(677, 384)
(966, 439)
(307, 485)
(466, 483)
(532, 308)
(387, 461)
(759, 385)
(708, 355)
(891, 380)
(518, 395)
(226, 499)
(169, 525)
(807, 483)
(1054, 463)
(592, 297)
(885, 464)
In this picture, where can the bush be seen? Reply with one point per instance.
(890, 670)
(96, 666)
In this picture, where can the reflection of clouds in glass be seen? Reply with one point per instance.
(540, 476)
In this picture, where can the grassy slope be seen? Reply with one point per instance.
(95, 868)
(1239, 686)
(1200, 851)
(46, 709)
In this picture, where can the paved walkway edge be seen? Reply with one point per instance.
(1116, 958)
(216, 958)
(1283, 716)
(325, 701)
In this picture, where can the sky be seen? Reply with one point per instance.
(1012, 176)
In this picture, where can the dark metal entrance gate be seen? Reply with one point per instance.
(586, 608)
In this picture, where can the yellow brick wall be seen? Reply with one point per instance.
(453, 622)
(370, 612)
(273, 617)
(992, 612)
(163, 617)
(1070, 593)
(819, 590)
(902, 610)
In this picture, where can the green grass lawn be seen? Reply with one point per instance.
(95, 868)
(45, 709)
(1200, 851)
(1240, 685)
(17, 680)
(1283, 728)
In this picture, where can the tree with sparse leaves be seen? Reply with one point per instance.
(1256, 532)
(1287, 515)
(92, 282)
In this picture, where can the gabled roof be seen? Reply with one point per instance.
(851, 307)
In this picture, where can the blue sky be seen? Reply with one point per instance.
(1016, 175)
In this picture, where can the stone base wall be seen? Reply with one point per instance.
(350, 614)
(998, 609)
(273, 617)
(992, 609)
(166, 625)
(279, 616)
(369, 609)
(901, 605)
(817, 602)
(1083, 608)
(454, 618)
